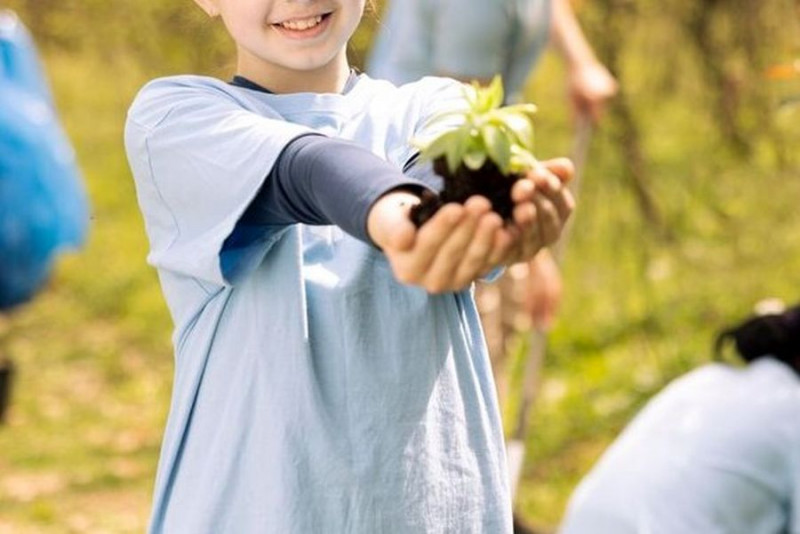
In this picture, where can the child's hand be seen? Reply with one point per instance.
(543, 205)
(462, 242)
(447, 253)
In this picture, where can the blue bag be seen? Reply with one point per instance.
(43, 205)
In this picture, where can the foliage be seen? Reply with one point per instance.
(94, 353)
(484, 129)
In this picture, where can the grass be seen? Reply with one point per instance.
(640, 310)
(94, 356)
(92, 351)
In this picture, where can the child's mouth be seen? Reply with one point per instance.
(304, 27)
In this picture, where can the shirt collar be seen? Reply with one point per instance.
(241, 81)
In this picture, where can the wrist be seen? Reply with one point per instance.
(389, 210)
(582, 63)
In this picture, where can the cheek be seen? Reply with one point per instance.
(244, 28)
(357, 11)
(243, 18)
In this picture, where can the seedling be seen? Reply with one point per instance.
(483, 150)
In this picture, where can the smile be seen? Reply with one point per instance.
(302, 24)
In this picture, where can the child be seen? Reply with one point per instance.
(717, 451)
(331, 374)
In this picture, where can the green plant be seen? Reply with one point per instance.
(484, 130)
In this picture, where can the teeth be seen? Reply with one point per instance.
(302, 24)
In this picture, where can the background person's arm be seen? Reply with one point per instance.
(590, 82)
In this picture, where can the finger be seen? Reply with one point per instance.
(551, 185)
(561, 197)
(549, 222)
(537, 180)
(414, 264)
(523, 189)
(524, 215)
(563, 168)
(530, 237)
(505, 239)
(546, 181)
(477, 256)
(564, 203)
(440, 275)
(512, 251)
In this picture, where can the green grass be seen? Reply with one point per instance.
(92, 351)
(94, 356)
(640, 310)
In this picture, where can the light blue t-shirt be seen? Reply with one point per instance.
(717, 452)
(465, 39)
(313, 393)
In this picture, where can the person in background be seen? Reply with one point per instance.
(43, 206)
(331, 373)
(718, 450)
(473, 41)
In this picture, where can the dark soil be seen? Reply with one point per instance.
(487, 181)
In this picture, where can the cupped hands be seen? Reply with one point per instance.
(463, 242)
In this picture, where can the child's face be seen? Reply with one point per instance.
(288, 37)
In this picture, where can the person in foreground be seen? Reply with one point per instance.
(331, 374)
(717, 451)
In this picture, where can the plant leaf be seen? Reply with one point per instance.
(519, 126)
(474, 160)
(458, 148)
(522, 160)
(525, 108)
(439, 145)
(495, 93)
(483, 129)
(498, 146)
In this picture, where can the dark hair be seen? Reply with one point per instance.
(775, 334)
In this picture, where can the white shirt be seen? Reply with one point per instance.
(718, 451)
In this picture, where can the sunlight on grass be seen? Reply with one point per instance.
(94, 357)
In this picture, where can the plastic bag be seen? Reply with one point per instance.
(43, 205)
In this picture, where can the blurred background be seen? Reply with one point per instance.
(688, 216)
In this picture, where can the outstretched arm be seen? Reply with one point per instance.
(327, 181)
(590, 82)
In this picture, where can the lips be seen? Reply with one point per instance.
(303, 25)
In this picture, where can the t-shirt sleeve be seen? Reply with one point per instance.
(316, 181)
(199, 157)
